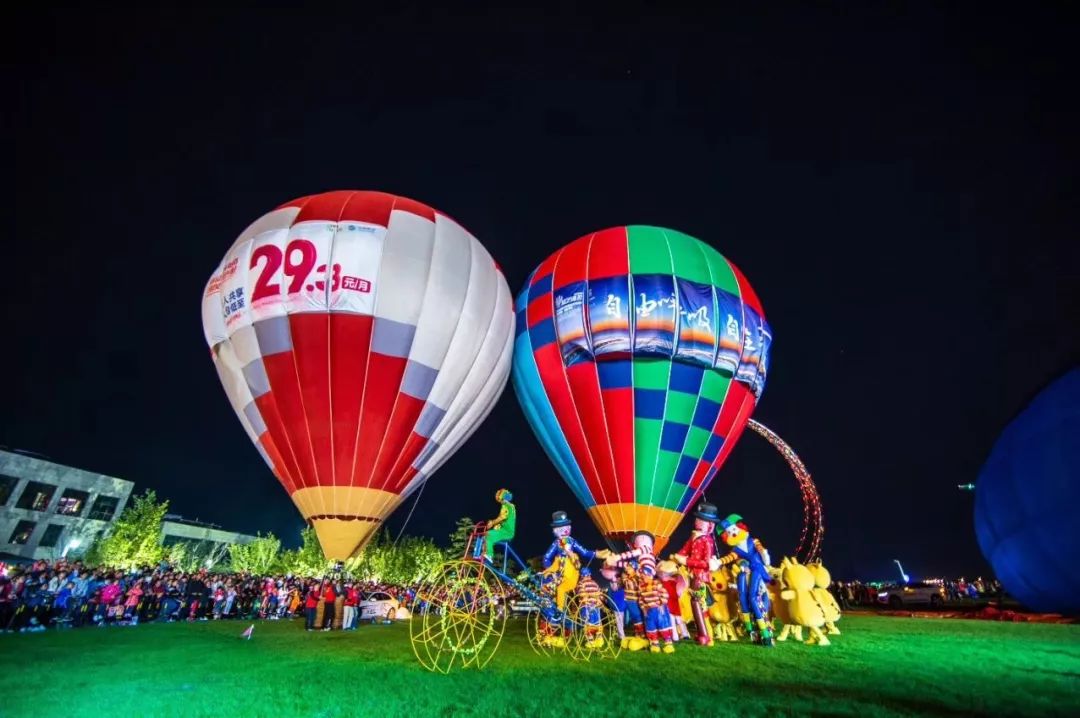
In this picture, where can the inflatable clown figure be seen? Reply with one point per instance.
(676, 585)
(501, 528)
(633, 564)
(565, 557)
(591, 601)
(753, 562)
(654, 604)
(641, 552)
(699, 555)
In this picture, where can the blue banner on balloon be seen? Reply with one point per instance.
(753, 344)
(570, 323)
(697, 323)
(729, 312)
(654, 315)
(763, 364)
(609, 316)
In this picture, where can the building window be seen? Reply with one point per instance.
(51, 535)
(36, 496)
(104, 508)
(72, 502)
(22, 532)
(7, 486)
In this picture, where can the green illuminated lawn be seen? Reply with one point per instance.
(880, 666)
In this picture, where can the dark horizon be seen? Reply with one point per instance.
(899, 189)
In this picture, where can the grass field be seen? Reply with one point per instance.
(880, 666)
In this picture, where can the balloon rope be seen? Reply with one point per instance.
(415, 502)
(813, 523)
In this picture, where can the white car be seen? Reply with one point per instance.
(381, 606)
(521, 605)
(912, 594)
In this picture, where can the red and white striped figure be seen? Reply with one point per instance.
(361, 338)
(641, 552)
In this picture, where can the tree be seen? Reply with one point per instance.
(308, 560)
(259, 557)
(459, 539)
(194, 555)
(135, 537)
(408, 560)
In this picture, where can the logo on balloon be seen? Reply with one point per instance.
(356, 284)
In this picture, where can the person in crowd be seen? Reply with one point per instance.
(352, 601)
(7, 603)
(329, 596)
(311, 605)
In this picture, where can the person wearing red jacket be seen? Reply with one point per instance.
(328, 605)
(352, 600)
(699, 555)
(311, 605)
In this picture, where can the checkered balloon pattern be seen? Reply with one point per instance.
(639, 357)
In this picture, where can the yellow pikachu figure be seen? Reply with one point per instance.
(686, 608)
(799, 597)
(828, 604)
(780, 607)
(725, 607)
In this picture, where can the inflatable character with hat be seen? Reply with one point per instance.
(633, 564)
(753, 560)
(699, 555)
(501, 528)
(565, 557)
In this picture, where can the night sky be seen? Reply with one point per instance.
(899, 186)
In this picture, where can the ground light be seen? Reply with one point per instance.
(71, 545)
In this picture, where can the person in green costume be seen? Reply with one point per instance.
(500, 528)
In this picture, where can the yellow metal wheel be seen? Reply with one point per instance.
(460, 626)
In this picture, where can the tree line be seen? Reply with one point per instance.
(135, 539)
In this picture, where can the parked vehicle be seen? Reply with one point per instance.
(912, 594)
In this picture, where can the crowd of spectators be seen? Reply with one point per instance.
(70, 594)
(856, 593)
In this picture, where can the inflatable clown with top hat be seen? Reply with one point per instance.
(698, 554)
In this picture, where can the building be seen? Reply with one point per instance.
(47, 509)
(205, 539)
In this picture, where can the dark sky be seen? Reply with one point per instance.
(898, 185)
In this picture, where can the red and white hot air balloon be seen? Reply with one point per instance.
(361, 338)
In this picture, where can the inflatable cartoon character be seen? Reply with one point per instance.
(780, 606)
(630, 581)
(590, 599)
(699, 555)
(799, 597)
(828, 604)
(565, 557)
(676, 585)
(501, 528)
(753, 562)
(725, 606)
(634, 563)
(617, 596)
(654, 603)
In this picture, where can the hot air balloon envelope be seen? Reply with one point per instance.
(360, 337)
(640, 354)
(1026, 500)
